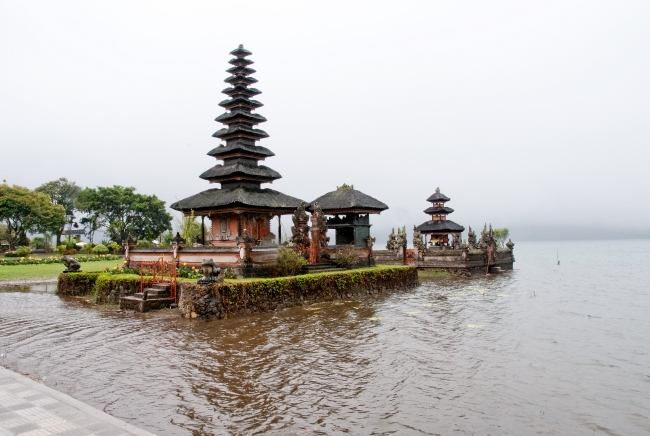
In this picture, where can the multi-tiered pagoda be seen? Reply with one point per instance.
(241, 205)
(439, 228)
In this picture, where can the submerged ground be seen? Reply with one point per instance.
(543, 349)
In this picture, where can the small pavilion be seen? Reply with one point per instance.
(241, 207)
(439, 228)
(350, 214)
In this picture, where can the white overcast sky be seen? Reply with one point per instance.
(524, 113)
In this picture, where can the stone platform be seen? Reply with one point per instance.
(29, 408)
(153, 298)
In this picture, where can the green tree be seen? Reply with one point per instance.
(88, 205)
(501, 236)
(64, 193)
(189, 228)
(126, 212)
(22, 211)
(100, 249)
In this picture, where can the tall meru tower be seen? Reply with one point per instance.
(241, 203)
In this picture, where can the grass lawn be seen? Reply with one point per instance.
(49, 271)
(427, 274)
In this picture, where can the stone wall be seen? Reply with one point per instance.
(104, 288)
(388, 257)
(233, 299)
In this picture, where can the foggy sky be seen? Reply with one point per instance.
(527, 114)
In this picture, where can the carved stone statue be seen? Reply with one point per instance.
(392, 244)
(510, 244)
(457, 243)
(300, 230)
(402, 238)
(177, 243)
(319, 239)
(471, 238)
(71, 265)
(488, 243)
(245, 244)
(128, 244)
(418, 241)
(210, 272)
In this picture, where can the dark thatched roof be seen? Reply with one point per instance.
(438, 210)
(348, 200)
(438, 198)
(238, 197)
(243, 70)
(239, 115)
(240, 79)
(240, 102)
(440, 226)
(241, 90)
(240, 131)
(254, 172)
(241, 52)
(240, 147)
(240, 62)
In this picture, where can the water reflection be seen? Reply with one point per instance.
(472, 356)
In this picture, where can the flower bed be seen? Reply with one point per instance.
(54, 259)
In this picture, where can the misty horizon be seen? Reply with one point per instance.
(528, 116)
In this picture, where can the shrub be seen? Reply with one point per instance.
(346, 258)
(144, 244)
(229, 273)
(61, 248)
(189, 272)
(289, 263)
(69, 245)
(100, 249)
(38, 242)
(23, 251)
(87, 248)
(114, 246)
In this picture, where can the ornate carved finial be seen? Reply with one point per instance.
(391, 244)
(418, 242)
(438, 190)
(510, 244)
(300, 230)
(241, 45)
(178, 240)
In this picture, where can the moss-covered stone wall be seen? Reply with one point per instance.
(232, 299)
(104, 288)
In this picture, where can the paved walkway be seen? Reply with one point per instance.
(28, 408)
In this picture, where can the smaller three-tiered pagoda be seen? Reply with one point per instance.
(439, 227)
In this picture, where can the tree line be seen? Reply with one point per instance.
(120, 211)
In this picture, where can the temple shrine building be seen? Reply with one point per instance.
(240, 206)
(439, 227)
(349, 213)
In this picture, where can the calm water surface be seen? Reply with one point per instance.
(545, 349)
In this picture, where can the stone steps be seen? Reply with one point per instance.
(156, 297)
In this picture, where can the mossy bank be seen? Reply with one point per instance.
(233, 298)
(238, 298)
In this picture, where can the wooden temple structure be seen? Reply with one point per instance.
(348, 212)
(240, 210)
(439, 227)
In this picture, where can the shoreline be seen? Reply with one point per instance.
(28, 282)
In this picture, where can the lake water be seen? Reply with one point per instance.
(544, 349)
